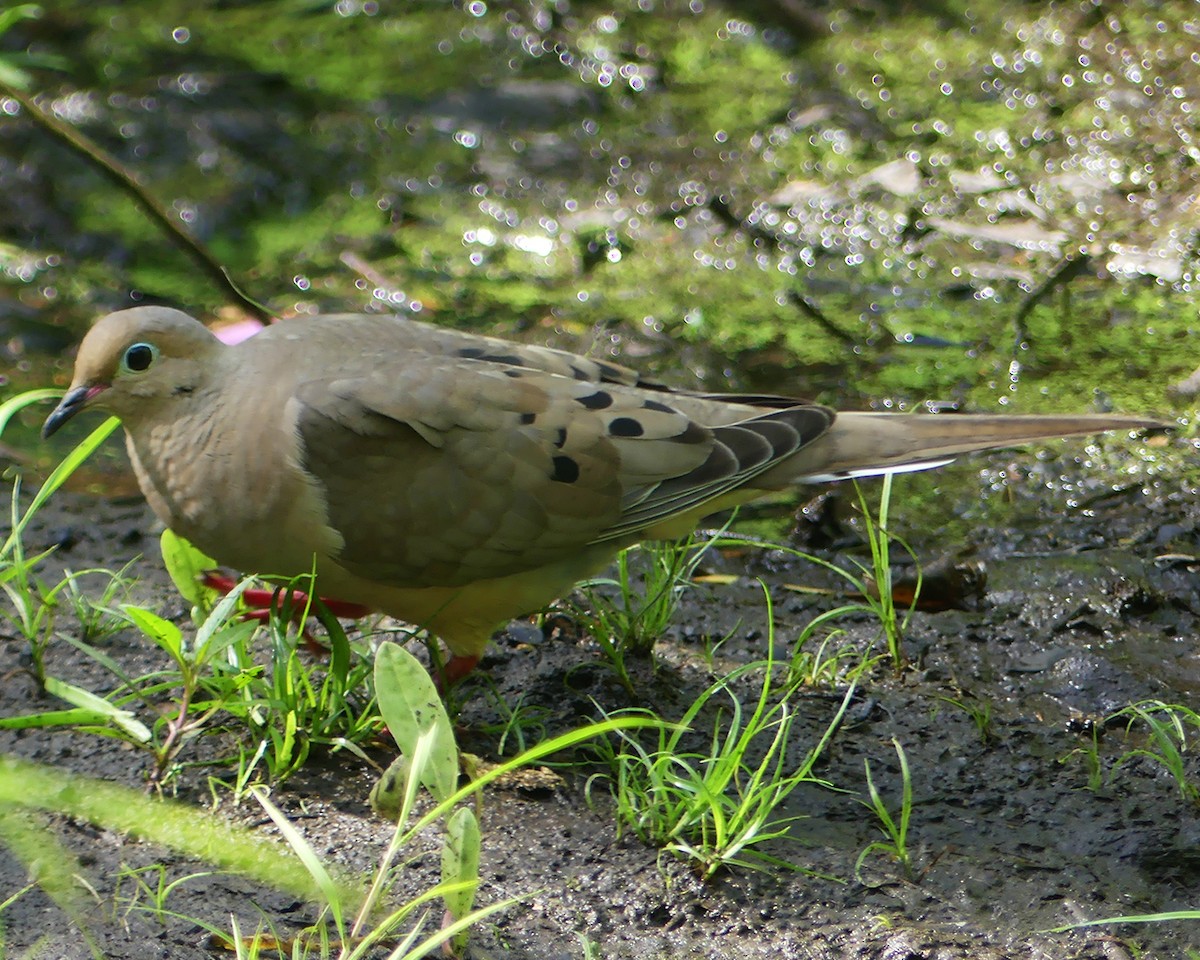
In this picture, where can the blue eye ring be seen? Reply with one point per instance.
(138, 357)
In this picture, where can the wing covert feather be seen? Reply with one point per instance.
(453, 470)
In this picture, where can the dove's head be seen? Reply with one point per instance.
(133, 361)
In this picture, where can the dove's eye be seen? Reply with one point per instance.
(139, 357)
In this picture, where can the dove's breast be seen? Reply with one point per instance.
(230, 496)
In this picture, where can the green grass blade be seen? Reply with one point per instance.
(188, 831)
(58, 476)
(331, 893)
(51, 865)
(14, 405)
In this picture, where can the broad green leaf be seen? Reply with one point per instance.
(410, 705)
(162, 632)
(185, 564)
(89, 701)
(460, 865)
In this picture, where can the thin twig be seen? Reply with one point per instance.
(720, 207)
(118, 174)
(1066, 271)
(810, 309)
(365, 270)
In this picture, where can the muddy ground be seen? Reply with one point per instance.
(1079, 619)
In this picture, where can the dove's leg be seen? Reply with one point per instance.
(455, 669)
(262, 602)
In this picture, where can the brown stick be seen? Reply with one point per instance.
(810, 309)
(119, 175)
(1063, 273)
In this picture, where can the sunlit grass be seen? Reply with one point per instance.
(1170, 733)
(717, 807)
(627, 613)
(894, 823)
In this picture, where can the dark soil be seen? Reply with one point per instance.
(1079, 620)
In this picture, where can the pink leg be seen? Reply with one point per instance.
(454, 670)
(261, 601)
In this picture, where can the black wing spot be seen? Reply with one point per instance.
(560, 438)
(596, 401)
(566, 470)
(527, 418)
(471, 353)
(655, 405)
(509, 358)
(612, 373)
(693, 434)
(515, 374)
(580, 374)
(626, 427)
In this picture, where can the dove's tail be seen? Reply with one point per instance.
(869, 444)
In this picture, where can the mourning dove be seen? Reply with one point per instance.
(452, 480)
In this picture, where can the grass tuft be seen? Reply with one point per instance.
(716, 807)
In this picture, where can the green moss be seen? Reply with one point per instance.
(358, 116)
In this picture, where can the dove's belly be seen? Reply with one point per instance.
(465, 616)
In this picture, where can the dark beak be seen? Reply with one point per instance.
(72, 402)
